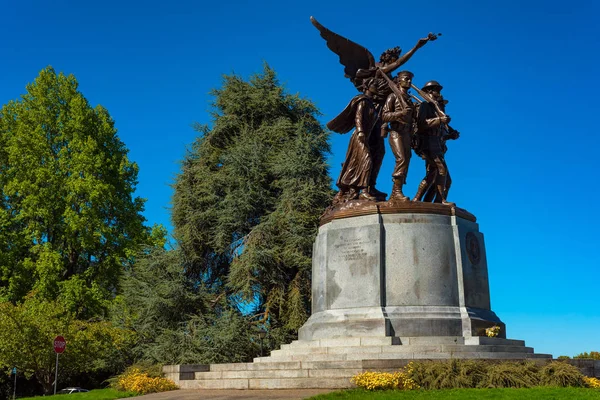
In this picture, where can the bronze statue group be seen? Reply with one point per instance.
(386, 108)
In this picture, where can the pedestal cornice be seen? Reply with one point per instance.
(357, 208)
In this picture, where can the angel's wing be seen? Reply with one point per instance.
(353, 56)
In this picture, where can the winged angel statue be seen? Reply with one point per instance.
(373, 79)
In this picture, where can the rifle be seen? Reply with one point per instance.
(419, 101)
(431, 100)
(394, 88)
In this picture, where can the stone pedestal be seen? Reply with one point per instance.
(390, 285)
(400, 274)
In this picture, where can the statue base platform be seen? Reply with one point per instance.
(331, 363)
(391, 283)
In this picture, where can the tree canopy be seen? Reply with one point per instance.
(69, 220)
(247, 201)
(74, 247)
(27, 331)
(175, 319)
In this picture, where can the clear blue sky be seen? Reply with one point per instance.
(521, 78)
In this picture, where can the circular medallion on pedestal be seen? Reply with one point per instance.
(473, 249)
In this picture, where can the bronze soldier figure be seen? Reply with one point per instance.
(355, 181)
(432, 132)
(400, 112)
(453, 134)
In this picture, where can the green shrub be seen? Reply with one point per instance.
(512, 375)
(447, 374)
(561, 374)
(593, 355)
(564, 358)
(458, 374)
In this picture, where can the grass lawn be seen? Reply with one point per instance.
(539, 393)
(98, 394)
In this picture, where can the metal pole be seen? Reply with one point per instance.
(56, 374)
(15, 387)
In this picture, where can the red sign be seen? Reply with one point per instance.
(59, 344)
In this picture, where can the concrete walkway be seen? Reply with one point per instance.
(205, 394)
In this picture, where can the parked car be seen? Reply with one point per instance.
(72, 390)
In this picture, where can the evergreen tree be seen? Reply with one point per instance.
(177, 321)
(248, 199)
(69, 221)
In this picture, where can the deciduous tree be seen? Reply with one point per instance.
(69, 220)
(27, 331)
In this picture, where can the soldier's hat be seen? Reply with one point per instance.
(432, 85)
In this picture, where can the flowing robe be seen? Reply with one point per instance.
(362, 114)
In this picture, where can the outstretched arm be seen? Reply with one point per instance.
(403, 59)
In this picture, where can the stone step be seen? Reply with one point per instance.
(256, 366)
(338, 372)
(473, 340)
(288, 373)
(331, 374)
(484, 340)
(388, 340)
(319, 370)
(431, 340)
(240, 366)
(214, 384)
(402, 355)
(302, 350)
(541, 355)
(344, 342)
(366, 363)
(400, 349)
(301, 383)
(269, 383)
(267, 373)
(476, 355)
(311, 357)
(346, 364)
(267, 364)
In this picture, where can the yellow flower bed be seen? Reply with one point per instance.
(592, 382)
(384, 380)
(493, 331)
(136, 381)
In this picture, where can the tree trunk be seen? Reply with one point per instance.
(46, 379)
